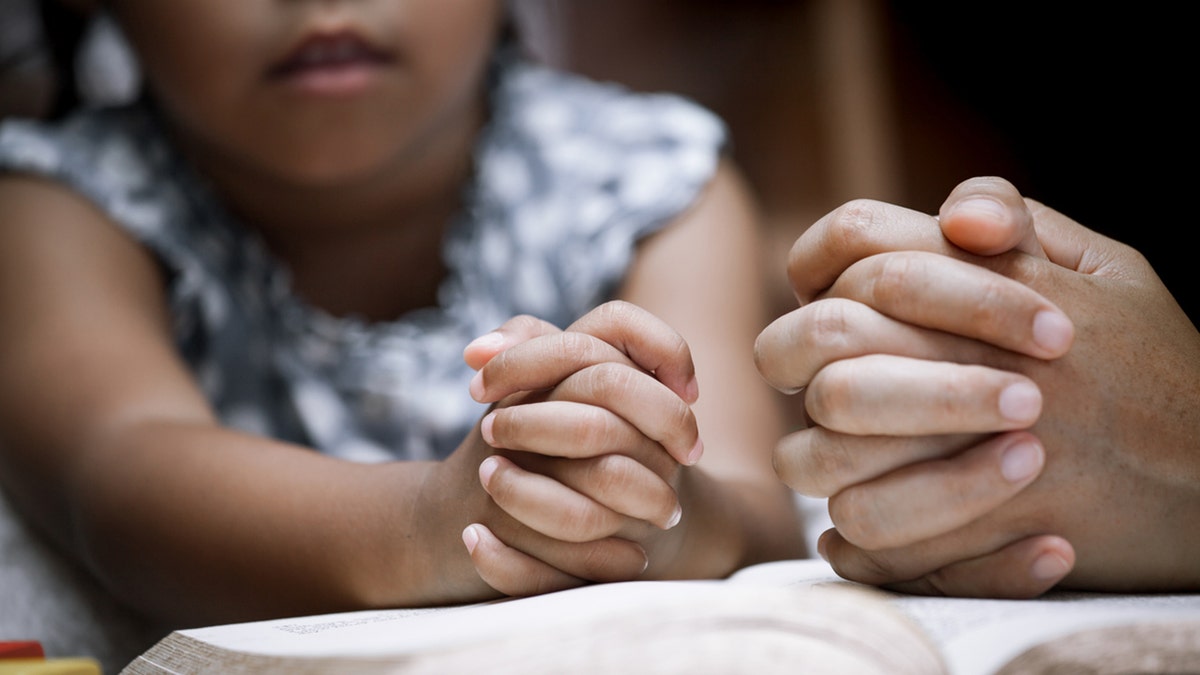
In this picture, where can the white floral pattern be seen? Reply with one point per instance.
(569, 175)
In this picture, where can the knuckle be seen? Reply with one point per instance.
(612, 474)
(604, 381)
(585, 521)
(963, 387)
(617, 309)
(856, 564)
(575, 347)
(523, 324)
(856, 515)
(830, 325)
(612, 560)
(597, 429)
(891, 282)
(854, 224)
(618, 313)
(679, 416)
(875, 568)
(986, 311)
(677, 348)
(616, 474)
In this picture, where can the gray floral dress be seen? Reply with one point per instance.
(569, 175)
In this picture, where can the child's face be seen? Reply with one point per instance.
(315, 91)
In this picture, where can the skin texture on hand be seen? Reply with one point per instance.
(593, 447)
(727, 506)
(990, 425)
(590, 444)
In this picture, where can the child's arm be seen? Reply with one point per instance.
(734, 511)
(107, 443)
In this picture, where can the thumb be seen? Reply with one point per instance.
(986, 215)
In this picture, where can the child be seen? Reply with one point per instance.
(286, 246)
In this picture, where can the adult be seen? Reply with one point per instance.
(990, 424)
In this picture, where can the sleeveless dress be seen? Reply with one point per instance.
(569, 174)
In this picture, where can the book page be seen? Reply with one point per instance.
(1154, 646)
(406, 630)
(978, 636)
(643, 626)
(792, 610)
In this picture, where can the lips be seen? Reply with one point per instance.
(331, 63)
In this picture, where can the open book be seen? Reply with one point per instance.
(794, 616)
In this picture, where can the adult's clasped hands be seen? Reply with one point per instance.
(997, 399)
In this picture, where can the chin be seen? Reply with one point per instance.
(333, 167)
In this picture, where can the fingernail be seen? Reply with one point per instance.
(1021, 461)
(692, 390)
(821, 548)
(1049, 566)
(696, 452)
(492, 340)
(1021, 402)
(470, 538)
(476, 387)
(979, 208)
(485, 428)
(486, 468)
(1052, 331)
(676, 516)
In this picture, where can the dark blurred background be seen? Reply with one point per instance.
(1087, 108)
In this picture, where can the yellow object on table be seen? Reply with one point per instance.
(65, 666)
